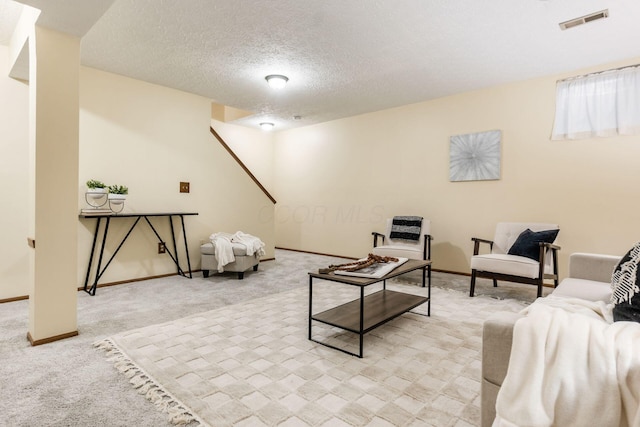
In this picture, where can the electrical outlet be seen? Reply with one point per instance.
(184, 187)
(161, 248)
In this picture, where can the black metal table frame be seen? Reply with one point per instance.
(100, 272)
(362, 331)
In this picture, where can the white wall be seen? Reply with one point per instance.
(14, 173)
(337, 181)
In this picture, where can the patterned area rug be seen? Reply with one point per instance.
(251, 364)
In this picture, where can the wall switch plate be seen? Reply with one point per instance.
(184, 187)
(161, 248)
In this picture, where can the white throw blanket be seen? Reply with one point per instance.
(223, 246)
(571, 366)
(253, 244)
(222, 249)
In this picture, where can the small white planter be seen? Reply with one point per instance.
(117, 199)
(96, 193)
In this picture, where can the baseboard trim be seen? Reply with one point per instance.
(315, 253)
(119, 282)
(139, 279)
(159, 276)
(20, 298)
(50, 339)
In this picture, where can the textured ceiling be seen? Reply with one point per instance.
(343, 57)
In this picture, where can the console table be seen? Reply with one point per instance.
(138, 216)
(368, 312)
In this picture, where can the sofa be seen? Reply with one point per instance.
(589, 278)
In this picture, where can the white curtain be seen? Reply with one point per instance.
(603, 104)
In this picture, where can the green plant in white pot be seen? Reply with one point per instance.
(118, 194)
(96, 189)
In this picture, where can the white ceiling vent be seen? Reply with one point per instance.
(584, 19)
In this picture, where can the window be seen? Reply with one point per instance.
(603, 104)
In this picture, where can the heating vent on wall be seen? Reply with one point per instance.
(584, 19)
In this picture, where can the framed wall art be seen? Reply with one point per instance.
(475, 156)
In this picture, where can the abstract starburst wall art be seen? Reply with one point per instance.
(475, 156)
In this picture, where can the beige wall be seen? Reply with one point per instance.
(150, 138)
(14, 188)
(254, 148)
(54, 64)
(336, 182)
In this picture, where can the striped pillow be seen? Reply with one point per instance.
(406, 228)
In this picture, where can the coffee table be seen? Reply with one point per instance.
(368, 312)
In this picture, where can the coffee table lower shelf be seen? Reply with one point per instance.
(367, 313)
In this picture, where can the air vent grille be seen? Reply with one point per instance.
(584, 19)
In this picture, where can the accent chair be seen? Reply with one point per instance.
(519, 252)
(419, 249)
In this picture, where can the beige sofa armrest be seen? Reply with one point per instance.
(497, 335)
(596, 267)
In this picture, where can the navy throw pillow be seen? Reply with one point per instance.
(625, 293)
(528, 242)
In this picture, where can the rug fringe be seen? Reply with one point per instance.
(178, 413)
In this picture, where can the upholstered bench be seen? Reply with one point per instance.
(242, 263)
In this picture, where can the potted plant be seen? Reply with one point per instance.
(96, 189)
(118, 193)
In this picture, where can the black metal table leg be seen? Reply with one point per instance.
(175, 247)
(92, 291)
(93, 250)
(361, 320)
(428, 291)
(186, 246)
(310, 303)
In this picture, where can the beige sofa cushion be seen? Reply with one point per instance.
(508, 264)
(238, 249)
(582, 288)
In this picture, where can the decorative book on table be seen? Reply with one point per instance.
(96, 211)
(374, 271)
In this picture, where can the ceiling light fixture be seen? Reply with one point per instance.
(277, 81)
(266, 125)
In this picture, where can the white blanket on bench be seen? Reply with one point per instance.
(571, 366)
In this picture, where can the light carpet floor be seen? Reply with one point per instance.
(251, 364)
(70, 383)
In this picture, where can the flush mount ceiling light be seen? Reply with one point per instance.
(277, 81)
(266, 125)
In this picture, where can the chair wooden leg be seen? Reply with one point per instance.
(539, 289)
(472, 288)
(205, 273)
(255, 267)
(495, 283)
(240, 275)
